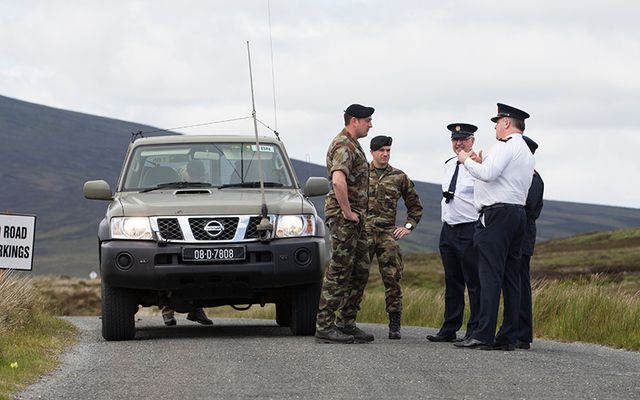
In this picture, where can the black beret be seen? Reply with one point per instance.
(508, 111)
(379, 141)
(532, 145)
(461, 131)
(359, 111)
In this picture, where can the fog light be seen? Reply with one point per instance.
(124, 261)
(302, 256)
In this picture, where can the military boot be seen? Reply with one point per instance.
(168, 316)
(198, 315)
(358, 334)
(333, 335)
(394, 325)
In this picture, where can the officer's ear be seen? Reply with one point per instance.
(507, 122)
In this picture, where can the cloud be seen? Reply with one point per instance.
(572, 65)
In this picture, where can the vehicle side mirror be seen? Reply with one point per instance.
(97, 190)
(316, 186)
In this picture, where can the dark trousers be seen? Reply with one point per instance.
(525, 321)
(498, 247)
(460, 269)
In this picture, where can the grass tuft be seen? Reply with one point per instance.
(590, 310)
(17, 300)
(31, 338)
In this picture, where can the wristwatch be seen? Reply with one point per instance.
(409, 226)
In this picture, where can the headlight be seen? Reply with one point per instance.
(295, 226)
(131, 228)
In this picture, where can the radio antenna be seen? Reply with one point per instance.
(273, 74)
(265, 227)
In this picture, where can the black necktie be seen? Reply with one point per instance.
(452, 185)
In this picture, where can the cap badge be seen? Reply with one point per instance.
(457, 128)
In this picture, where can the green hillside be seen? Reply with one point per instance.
(613, 254)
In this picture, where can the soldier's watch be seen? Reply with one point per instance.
(409, 226)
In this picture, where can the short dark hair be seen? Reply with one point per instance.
(517, 123)
(347, 118)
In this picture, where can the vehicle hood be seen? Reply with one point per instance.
(230, 201)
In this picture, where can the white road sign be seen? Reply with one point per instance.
(17, 236)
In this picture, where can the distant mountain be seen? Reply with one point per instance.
(46, 155)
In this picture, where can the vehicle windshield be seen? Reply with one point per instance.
(226, 165)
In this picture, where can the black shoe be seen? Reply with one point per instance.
(333, 335)
(462, 339)
(504, 346)
(523, 345)
(472, 343)
(394, 335)
(358, 334)
(199, 316)
(441, 338)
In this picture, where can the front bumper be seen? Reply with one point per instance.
(159, 267)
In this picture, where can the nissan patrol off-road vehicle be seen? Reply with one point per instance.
(192, 224)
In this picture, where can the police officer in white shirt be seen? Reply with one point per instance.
(459, 216)
(503, 178)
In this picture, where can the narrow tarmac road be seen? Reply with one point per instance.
(243, 358)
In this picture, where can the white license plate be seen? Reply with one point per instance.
(213, 254)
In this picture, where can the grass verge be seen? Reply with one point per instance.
(31, 339)
(587, 310)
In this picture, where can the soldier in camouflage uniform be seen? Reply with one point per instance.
(345, 214)
(386, 186)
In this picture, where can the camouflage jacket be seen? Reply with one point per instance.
(384, 192)
(346, 155)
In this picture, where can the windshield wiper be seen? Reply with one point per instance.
(179, 185)
(253, 184)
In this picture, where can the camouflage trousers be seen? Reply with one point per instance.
(387, 249)
(346, 276)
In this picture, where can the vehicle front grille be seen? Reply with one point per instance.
(252, 228)
(170, 229)
(225, 228)
(208, 228)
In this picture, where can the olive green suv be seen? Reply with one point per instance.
(192, 224)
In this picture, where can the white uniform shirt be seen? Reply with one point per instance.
(461, 208)
(505, 173)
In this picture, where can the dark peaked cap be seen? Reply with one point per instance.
(532, 145)
(508, 111)
(461, 131)
(359, 111)
(379, 142)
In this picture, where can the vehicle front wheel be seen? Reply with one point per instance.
(304, 304)
(118, 313)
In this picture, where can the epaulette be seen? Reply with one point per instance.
(505, 140)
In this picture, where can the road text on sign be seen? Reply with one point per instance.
(17, 236)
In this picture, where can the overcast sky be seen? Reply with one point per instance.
(573, 65)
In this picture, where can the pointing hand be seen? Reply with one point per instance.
(477, 157)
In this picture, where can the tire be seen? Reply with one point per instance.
(283, 314)
(118, 313)
(304, 302)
